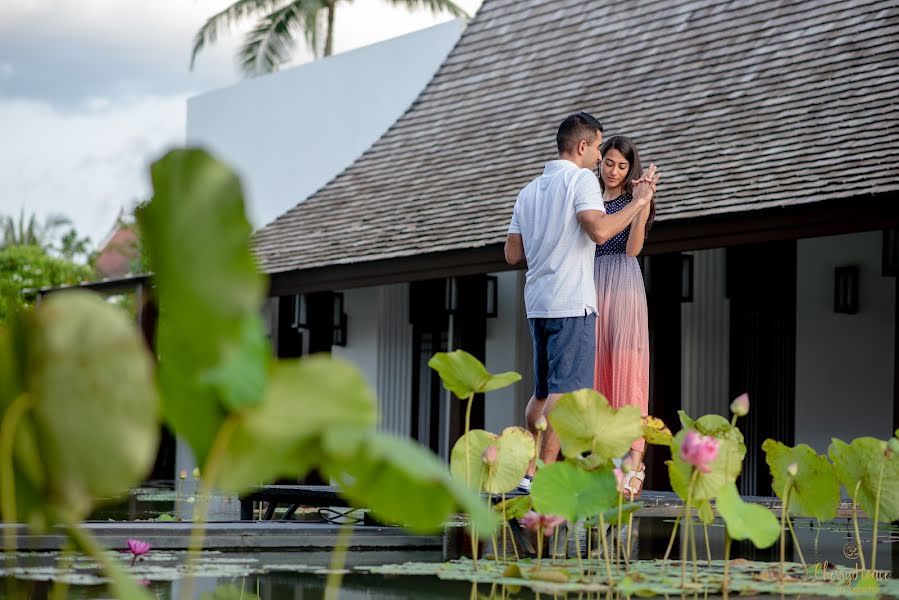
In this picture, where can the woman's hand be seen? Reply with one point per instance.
(645, 185)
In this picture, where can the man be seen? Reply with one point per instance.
(557, 221)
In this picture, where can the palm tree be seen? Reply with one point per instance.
(269, 43)
(28, 232)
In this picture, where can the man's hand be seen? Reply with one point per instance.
(645, 186)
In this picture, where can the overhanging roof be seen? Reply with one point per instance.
(748, 107)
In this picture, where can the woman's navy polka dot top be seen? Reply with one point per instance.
(618, 244)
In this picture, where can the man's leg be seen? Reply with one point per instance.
(551, 447)
(532, 414)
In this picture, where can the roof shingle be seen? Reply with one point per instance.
(743, 104)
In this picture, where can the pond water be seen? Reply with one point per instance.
(301, 575)
(224, 575)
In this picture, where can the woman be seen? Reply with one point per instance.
(622, 336)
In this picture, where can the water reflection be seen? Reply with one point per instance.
(298, 575)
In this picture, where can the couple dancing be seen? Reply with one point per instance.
(584, 294)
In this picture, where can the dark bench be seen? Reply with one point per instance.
(322, 497)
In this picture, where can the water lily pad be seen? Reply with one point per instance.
(563, 489)
(515, 448)
(96, 410)
(861, 461)
(585, 422)
(207, 298)
(705, 512)
(656, 432)
(281, 437)
(611, 515)
(464, 375)
(745, 520)
(514, 508)
(402, 482)
(816, 489)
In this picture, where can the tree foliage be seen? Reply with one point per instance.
(31, 267)
(278, 24)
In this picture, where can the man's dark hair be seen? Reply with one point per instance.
(577, 127)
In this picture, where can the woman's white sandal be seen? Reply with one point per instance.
(641, 475)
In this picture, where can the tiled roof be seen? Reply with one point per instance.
(744, 105)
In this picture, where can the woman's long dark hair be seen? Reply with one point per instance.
(628, 150)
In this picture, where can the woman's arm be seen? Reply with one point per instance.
(637, 234)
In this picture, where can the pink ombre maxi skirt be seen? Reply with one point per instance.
(622, 334)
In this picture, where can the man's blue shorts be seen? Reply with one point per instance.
(564, 354)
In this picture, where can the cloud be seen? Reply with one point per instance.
(86, 165)
(62, 51)
(91, 91)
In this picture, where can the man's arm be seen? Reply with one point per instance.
(602, 227)
(514, 249)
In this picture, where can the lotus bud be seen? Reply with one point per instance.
(182, 474)
(540, 425)
(793, 469)
(196, 472)
(740, 405)
(489, 456)
(892, 447)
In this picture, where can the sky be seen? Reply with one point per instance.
(92, 91)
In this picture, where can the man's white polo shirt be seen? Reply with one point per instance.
(559, 252)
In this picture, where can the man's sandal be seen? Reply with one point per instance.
(634, 491)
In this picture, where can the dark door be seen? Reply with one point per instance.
(430, 334)
(761, 285)
(662, 275)
(469, 333)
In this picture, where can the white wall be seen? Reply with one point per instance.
(362, 307)
(379, 342)
(509, 348)
(844, 363)
(291, 132)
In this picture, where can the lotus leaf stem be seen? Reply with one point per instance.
(60, 588)
(673, 535)
(618, 549)
(858, 537)
(708, 549)
(211, 474)
(10, 423)
(685, 538)
(876, 517)
(86, 543)
(338, 560)
(783, 528)
(577, 547)
(725, 582)
(605, 551)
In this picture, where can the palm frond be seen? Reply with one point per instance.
(228, 18)
(270, 43)
(435, 6)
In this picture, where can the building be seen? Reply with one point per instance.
(772, 265)
(291, 132)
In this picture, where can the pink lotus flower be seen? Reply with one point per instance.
(699, 450)
(619, 478)
(137, 548)
(536, 522)
(740, 405)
